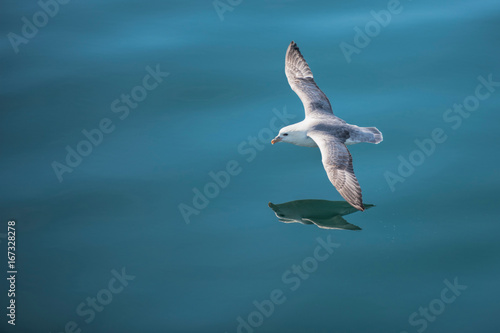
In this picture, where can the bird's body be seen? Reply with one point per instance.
(321, 128)
(349, 134)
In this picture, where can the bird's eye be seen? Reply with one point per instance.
(285, 134)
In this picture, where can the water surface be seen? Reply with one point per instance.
(119, 207)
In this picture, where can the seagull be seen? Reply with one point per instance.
(321, 128)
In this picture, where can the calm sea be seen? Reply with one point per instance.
(136, 162)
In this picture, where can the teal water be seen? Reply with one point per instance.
(235, 267)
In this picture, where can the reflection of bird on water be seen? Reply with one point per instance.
(322, 129)
(323, 213)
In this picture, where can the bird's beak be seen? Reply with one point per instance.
(276, 139)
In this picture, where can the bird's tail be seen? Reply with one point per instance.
(376, 135)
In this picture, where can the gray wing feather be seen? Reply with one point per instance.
(301, 81)
(337, 162)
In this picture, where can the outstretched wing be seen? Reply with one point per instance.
(337, 162)
(301, 81)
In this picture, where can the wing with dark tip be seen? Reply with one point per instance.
(337, 162)
(301, 81)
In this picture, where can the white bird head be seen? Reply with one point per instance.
(289, 134)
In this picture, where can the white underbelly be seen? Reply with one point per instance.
(308, 142)
(350, 142)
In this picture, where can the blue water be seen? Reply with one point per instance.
(433, 224)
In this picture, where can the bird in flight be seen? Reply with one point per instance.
(321, 128)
